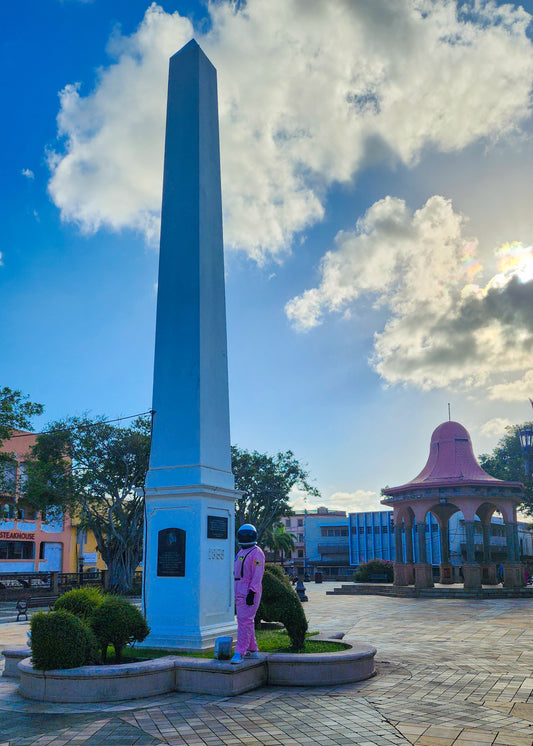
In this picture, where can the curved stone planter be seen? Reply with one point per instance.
(322, 669)
(199, 675)
(98, 683)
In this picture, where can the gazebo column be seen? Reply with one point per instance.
(471, 569)
(409, 554)
(423, 570)
(513, 572)
(489, 575)
(399, 564)
(403, 571)
(446, 569)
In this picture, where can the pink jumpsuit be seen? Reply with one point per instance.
(248, 573)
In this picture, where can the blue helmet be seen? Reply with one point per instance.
(247, 535)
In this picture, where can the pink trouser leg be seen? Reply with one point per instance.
(245, 626)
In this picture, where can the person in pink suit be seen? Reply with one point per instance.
(248, 574)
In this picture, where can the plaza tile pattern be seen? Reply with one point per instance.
(449, 672)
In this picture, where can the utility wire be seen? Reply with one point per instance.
(84, 427)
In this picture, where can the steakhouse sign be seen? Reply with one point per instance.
(16, 535)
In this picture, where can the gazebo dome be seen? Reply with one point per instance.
(451, 457)
(451, 463)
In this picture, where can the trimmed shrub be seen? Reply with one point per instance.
(82, 602)
(278, 572)
(374, 567)
(61, 640)
(279, 603)
(118, 622)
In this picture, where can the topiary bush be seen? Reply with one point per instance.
(279, 603)
(278, 572)
(118, 622)
(81, 602)
(61, 640)
(374, 567)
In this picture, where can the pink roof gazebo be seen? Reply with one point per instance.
(452, 481)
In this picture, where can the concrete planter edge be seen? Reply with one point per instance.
(92, 684)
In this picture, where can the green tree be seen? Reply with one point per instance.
(16, 413)
(96, 471)
(507, 462)
(278, 539)
(266, 482)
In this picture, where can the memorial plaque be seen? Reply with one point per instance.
(217, 527)
(171, 553)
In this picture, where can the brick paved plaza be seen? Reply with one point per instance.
(449, 672)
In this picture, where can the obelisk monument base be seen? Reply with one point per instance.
(188, 611)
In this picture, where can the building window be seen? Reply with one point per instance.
(287, 522)
(361, 529)
(369, 529)
(17, 550)
(385, 529)
(300, 522)
(7, 478)
(8, 512)
(300, 553)
(324, 531)
(300, 537)
(376, 529)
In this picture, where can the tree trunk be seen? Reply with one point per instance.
(121, 566)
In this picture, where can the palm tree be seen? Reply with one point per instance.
(277, 539)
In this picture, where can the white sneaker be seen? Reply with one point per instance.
(237, 658)
(252, 654)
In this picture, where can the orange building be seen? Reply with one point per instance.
(29, 542)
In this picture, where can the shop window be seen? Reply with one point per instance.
(17, 550)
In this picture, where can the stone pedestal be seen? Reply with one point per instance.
(472, 577)
(423, 575)
(404, 573)
(446, 573)
(489, 575)
(188, 597)
(513, 575)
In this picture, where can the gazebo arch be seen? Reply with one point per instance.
(453, 481)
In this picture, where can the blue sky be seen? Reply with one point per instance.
(378, 226)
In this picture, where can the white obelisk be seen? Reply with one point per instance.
(190, 496)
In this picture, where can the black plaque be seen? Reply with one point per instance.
(171, 553)
(217, 527)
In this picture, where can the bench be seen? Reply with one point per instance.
(378, 576)
(34, 602)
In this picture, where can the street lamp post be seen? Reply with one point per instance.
(526, 444)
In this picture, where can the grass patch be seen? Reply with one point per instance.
(269, 641)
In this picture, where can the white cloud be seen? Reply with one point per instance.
(519, 390)
(310, 93)
(351, 502)
(355, 502)
(495, 427)
(442, 328)
(28, 173)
